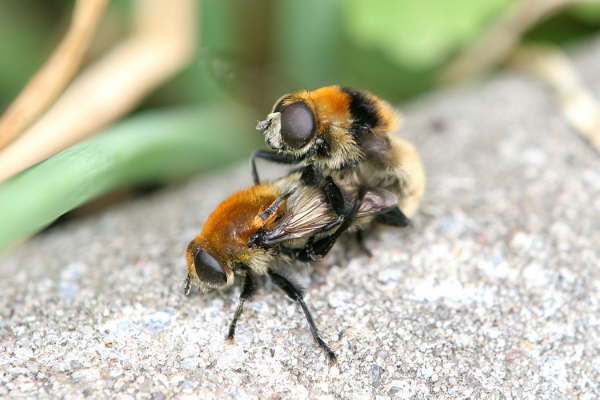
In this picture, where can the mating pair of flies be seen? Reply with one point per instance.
(352, 172)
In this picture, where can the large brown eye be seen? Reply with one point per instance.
(208, 269)
(297, 125)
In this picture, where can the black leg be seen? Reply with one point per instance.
(247, 292)
(334, 196)
(322, 246)
(304, 254)
(188, 286)
(309, 176)
(296, 294)
(274, 156)
(362, 245)
(394, 217)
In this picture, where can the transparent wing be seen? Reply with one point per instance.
(376, 201)
(306, 214)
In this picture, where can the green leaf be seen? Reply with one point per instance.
(151, 147)
(417, 33)
(24, 44)
(306, 42)
(588, 12)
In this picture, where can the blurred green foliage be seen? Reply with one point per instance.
(249, 52)
(254, 51)
(589, 12)
(154, 146)
(26, 40)
(419, 34)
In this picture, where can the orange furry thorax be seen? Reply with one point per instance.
(227, 231)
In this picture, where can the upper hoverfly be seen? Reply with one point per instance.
(346, 136)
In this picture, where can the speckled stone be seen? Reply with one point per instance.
(495, 293)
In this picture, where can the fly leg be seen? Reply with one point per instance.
(248, 291)
(333, 195)
(394, 217)
(270, 156)
(296, 294)
(322, 246)
(360, 239)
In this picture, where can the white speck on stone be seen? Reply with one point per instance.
(190, 363)
(73, 271)
(26, 386)
(327, 397)
(429, 290)
(493, 333)
(158, 321)
(535, 275)
(68, 290)
(69, 280)
(86, 375)
(190, 396)
(23, 354)
(334, 371)
(402, 389)
(391, 275)
(560, 230)
(591, 177)
(521, 241)
(189, 350)
(427, 371)
(361, 396)
(300, 392)
(117, 328)
(494, 268)
(232, 357)
(339, 299)
(533, 156)
(554, 369)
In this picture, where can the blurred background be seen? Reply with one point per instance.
(193, 110)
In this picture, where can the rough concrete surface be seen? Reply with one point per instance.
(494, 293)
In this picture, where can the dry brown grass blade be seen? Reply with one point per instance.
(502, 37)
(162, 43)
(55, 74)
(577, 103)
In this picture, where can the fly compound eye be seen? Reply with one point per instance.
(297, 125)
(208, 269)
(279, 104)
